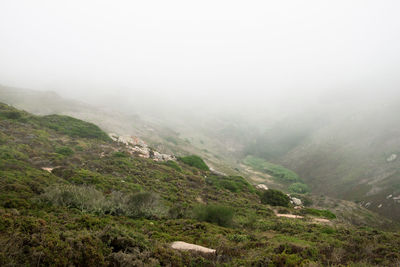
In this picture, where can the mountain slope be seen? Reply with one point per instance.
(86, 201)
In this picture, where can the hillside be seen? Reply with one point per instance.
(70, 195)
(352, 153)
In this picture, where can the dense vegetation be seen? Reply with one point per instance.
(280, 173)
(99, 206)
(275, 198)
(195, 161)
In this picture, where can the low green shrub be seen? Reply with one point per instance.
(320, 213)
(87, 199)
(232, 183)
(173, 165)
(275, 198)
(299, 188)
(277, 171)
(217, 214)
(65, 151)
(120, 154)
(195, 161)
(72, 127)
(13, 115)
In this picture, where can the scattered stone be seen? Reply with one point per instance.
(297, 201)
(48, 169)
(380, 206)
(397, 198)
(389, 196)
(262, 187)
(138, 147)
(179, 245)
(391, 158)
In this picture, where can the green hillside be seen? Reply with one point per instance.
(80, 199)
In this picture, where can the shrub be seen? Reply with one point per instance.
(275, 198)
(320, 213)
(90, 200)
(277, 171)
(173, 165)
(73, 127)
(64, 150)
(299, 188)
(217, 214)
(231, 183)
(12, 115)
(83, 198)
(195, 161)
(120, 154)
(144, 204)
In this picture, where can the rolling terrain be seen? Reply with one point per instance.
(71, 195)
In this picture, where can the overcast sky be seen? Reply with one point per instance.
(183, 51)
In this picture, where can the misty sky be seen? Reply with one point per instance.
(213, 51)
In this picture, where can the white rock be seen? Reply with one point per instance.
(262, 187)
(297, 201)
(389, 196)
(380, 206)
(391, 158)
(179, 245)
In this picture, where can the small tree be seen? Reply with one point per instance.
(275, 198)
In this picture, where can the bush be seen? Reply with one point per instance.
(299, 188)
(12, 115)
(173, 165)
(195, 161)
(320, 213)
(277, 171)
(216, 214)
(66, 151)
(73, 127)
(144, 204)
(232, 183)
(275, 198)
(120, 154)
(89, 200)
(83, 198)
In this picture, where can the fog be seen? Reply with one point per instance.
(215, 56)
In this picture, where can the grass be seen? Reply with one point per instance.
(277, 171)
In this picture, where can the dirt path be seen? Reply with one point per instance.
(293, 216)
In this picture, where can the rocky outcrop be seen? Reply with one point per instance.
(262, 187)
(137, 146)
(391, 158)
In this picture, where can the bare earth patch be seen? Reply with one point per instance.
(179, 245)
(290, 216)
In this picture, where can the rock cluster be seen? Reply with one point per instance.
(137, 146)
